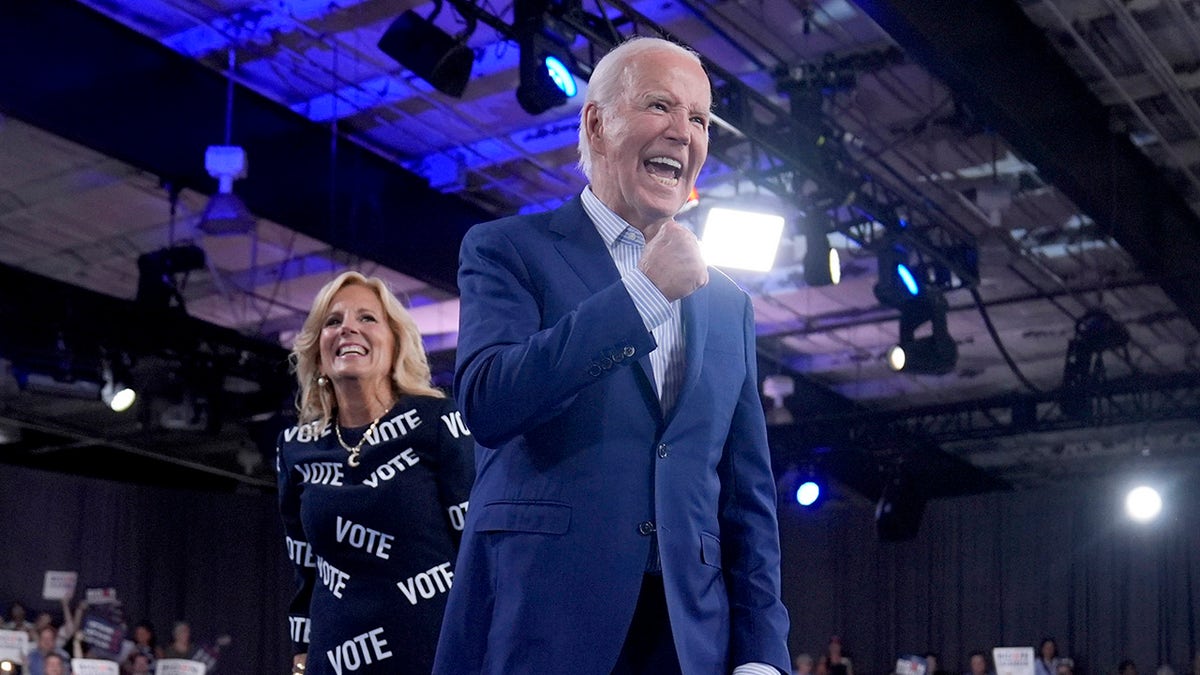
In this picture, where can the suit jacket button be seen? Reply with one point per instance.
(628, 351)
(646, 528)
(594, 370)
(662, 449)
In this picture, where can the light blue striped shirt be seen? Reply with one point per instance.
(662, 318)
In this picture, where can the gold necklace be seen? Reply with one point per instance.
(352, 460)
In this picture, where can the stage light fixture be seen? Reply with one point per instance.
(546, 78)
(442, 60)
(225, 213)
(158, 288)
(809, 493)
(1143, 503)
(746, 240)
(117, 392)
(906, 276)
(1096, 332)
(900, 281)
(804, 484)
(546, 64)
(776, 388)
(933, 354)
(822, 264)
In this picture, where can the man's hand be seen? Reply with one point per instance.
(672, 260)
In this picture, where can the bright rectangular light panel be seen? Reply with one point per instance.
(745, 240)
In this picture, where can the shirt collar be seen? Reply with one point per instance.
(612, 228)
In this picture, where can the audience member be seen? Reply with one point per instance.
(978, 663)
(933, 665)
(18, 620)
(802, 664)
(835, 659)
(1047, 658)
(139, 664)
(181, 646)
(1065, 666)
(47, 645)
(143, 640)
(1127, 667)
(56, 664)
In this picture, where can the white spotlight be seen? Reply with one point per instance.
(117, 396)
(1143, 503)
(808, 493)
(744, 240)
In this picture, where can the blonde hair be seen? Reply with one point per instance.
(410, 368)
(610, 80)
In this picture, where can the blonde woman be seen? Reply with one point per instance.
(373, 487)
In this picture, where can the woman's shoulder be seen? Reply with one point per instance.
(426, 402)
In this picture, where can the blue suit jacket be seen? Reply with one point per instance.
(575, 461)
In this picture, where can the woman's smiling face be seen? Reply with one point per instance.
(356, 341)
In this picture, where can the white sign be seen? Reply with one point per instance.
(179, 667)
(1013, 660)
(94, 667)
(910, 665)
(14, 645)
(59, 585)
(101, 596)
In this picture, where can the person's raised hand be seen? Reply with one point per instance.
(672, 260)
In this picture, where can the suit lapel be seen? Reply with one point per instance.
(695, 333)
(582, 247)
(584, 252)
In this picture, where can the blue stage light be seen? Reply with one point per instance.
(808, 493)
(561, 76)
(910, 282)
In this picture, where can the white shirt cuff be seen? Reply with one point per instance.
(755, 669)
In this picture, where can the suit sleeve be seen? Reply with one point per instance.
(513, 372)
(750, 529)
(296, 545)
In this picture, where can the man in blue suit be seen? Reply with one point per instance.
(623, 515)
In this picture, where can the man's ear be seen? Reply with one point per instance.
(593, 125)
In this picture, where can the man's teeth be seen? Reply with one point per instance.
(665, 170)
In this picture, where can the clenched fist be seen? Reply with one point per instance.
(672, 260)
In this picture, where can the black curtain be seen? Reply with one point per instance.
(214, 560)
(1002, 569)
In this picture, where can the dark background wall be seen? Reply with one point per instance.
(1002, 569)
(215, 560)
(996, 569)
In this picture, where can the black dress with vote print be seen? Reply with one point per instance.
(374, 545)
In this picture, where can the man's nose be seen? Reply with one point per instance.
(679, 128)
